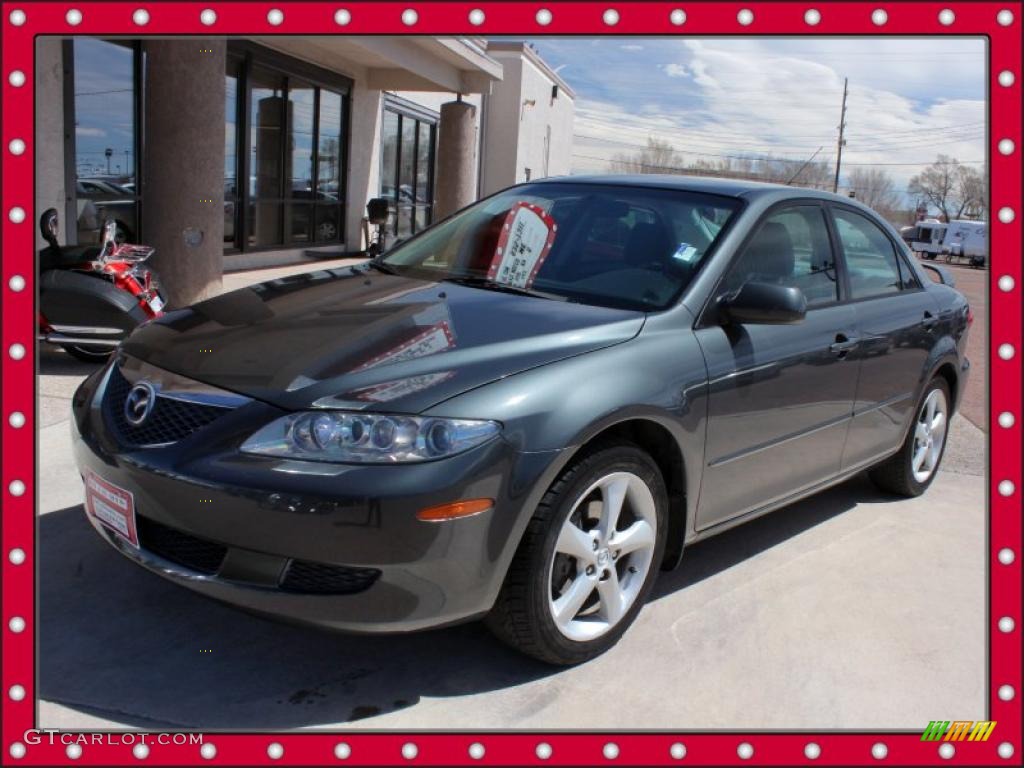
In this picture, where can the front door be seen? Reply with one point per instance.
(780, 396)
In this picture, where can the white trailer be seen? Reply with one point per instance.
(928, 239)
(967, 239)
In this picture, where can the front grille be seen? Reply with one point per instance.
(180, 547)
(169, 421)
(323, 579)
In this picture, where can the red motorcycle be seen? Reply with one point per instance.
(92, 297)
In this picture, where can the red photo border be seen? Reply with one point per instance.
(1000, 22)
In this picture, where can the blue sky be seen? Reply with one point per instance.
(910, 98)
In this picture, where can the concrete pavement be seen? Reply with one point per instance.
(837, 612)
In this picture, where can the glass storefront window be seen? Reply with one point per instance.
(231, 191)
(407, 171)
(104, 108)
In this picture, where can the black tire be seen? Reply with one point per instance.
(88, 354)
(521, 616)
(896, 474)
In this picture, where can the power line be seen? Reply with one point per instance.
(918, 163)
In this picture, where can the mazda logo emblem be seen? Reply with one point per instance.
(139, 403)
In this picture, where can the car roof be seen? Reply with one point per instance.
(711, 185)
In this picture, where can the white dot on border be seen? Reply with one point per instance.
(73, 751)
(1004, 17)
(1006, 214)
(17, 750)
(17, 351)
(543, 750)
(16, 283)
(1006, 283)
(544, 17)
(275, 751)
(16, 625)
(208, 17)
(17, 17)
(342, 17)
(610, 17)
(812, 17)
(16, 214)
(879, 17)
(1005, 750)
(275, 16)
(1006, 78)
(16, 78)
(745, 751)
(1006, 692)
(812, 751)
(16, 419)
(16, 692)
(610, 751)
(1006, 488)
(677, 17)
(1006, 146)
(16, 147)
(16, 488)
(141, 17)
(73, 17)
(342, 751)
(1006, 625)
(410, 750)
(879, 751)
(477, 17)
(1006, 420)
(410, 17)
(1006, 556)
(140, 751)
(677, 751)
(946, 751)
(16, 556)
(208, 751)
(745, 16)
(476, 750)
(946, 17)
(1006, 351)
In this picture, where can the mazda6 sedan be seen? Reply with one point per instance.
(525, 411)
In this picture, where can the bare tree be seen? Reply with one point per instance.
(657, 157)
(876, 189)
(952, 188)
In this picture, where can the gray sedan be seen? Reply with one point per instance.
(525, 411)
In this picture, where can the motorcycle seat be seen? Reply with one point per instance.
(66, 256)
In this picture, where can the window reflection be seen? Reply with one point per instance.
(407, 171)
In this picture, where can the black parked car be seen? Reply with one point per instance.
(526, 410)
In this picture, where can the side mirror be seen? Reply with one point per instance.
(765, 303)
(377, 211)
(49, 226)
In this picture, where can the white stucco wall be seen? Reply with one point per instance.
(49, 136)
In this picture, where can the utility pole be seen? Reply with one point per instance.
(839, 148)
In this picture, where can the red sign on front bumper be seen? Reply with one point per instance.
(112, 506)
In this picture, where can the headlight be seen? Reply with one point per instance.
(367, 437)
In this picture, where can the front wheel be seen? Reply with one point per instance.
(911, 471)
(87, 353)
(587, 560)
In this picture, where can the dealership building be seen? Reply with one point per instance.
(229, 154)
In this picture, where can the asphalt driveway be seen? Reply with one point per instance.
(836, 612)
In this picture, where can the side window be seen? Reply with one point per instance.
(870, 257)
(790, 247)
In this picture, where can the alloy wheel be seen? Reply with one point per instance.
(602, 556)
(929, 435)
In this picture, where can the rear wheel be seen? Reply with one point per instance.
(911, 471)
(588, 558)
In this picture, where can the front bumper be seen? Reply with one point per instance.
(267, 514)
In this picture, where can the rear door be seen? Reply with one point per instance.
(780, 396)
(895, 318)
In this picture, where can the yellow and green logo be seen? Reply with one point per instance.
(958, 730)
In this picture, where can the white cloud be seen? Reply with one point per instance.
(631, 47)
(81, 130)
(676, 70)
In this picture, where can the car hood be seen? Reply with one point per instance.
(356, 338)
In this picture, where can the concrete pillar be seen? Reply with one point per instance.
(49, 136)
(183, 165)
(363, 180)
(455, 187)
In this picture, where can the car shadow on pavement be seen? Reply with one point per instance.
(57, 362)
(120, 643)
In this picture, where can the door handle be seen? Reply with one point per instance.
(843, 344)
(928, 321)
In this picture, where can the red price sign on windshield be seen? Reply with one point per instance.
(526, 238)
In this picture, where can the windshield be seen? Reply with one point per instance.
(616, 246)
